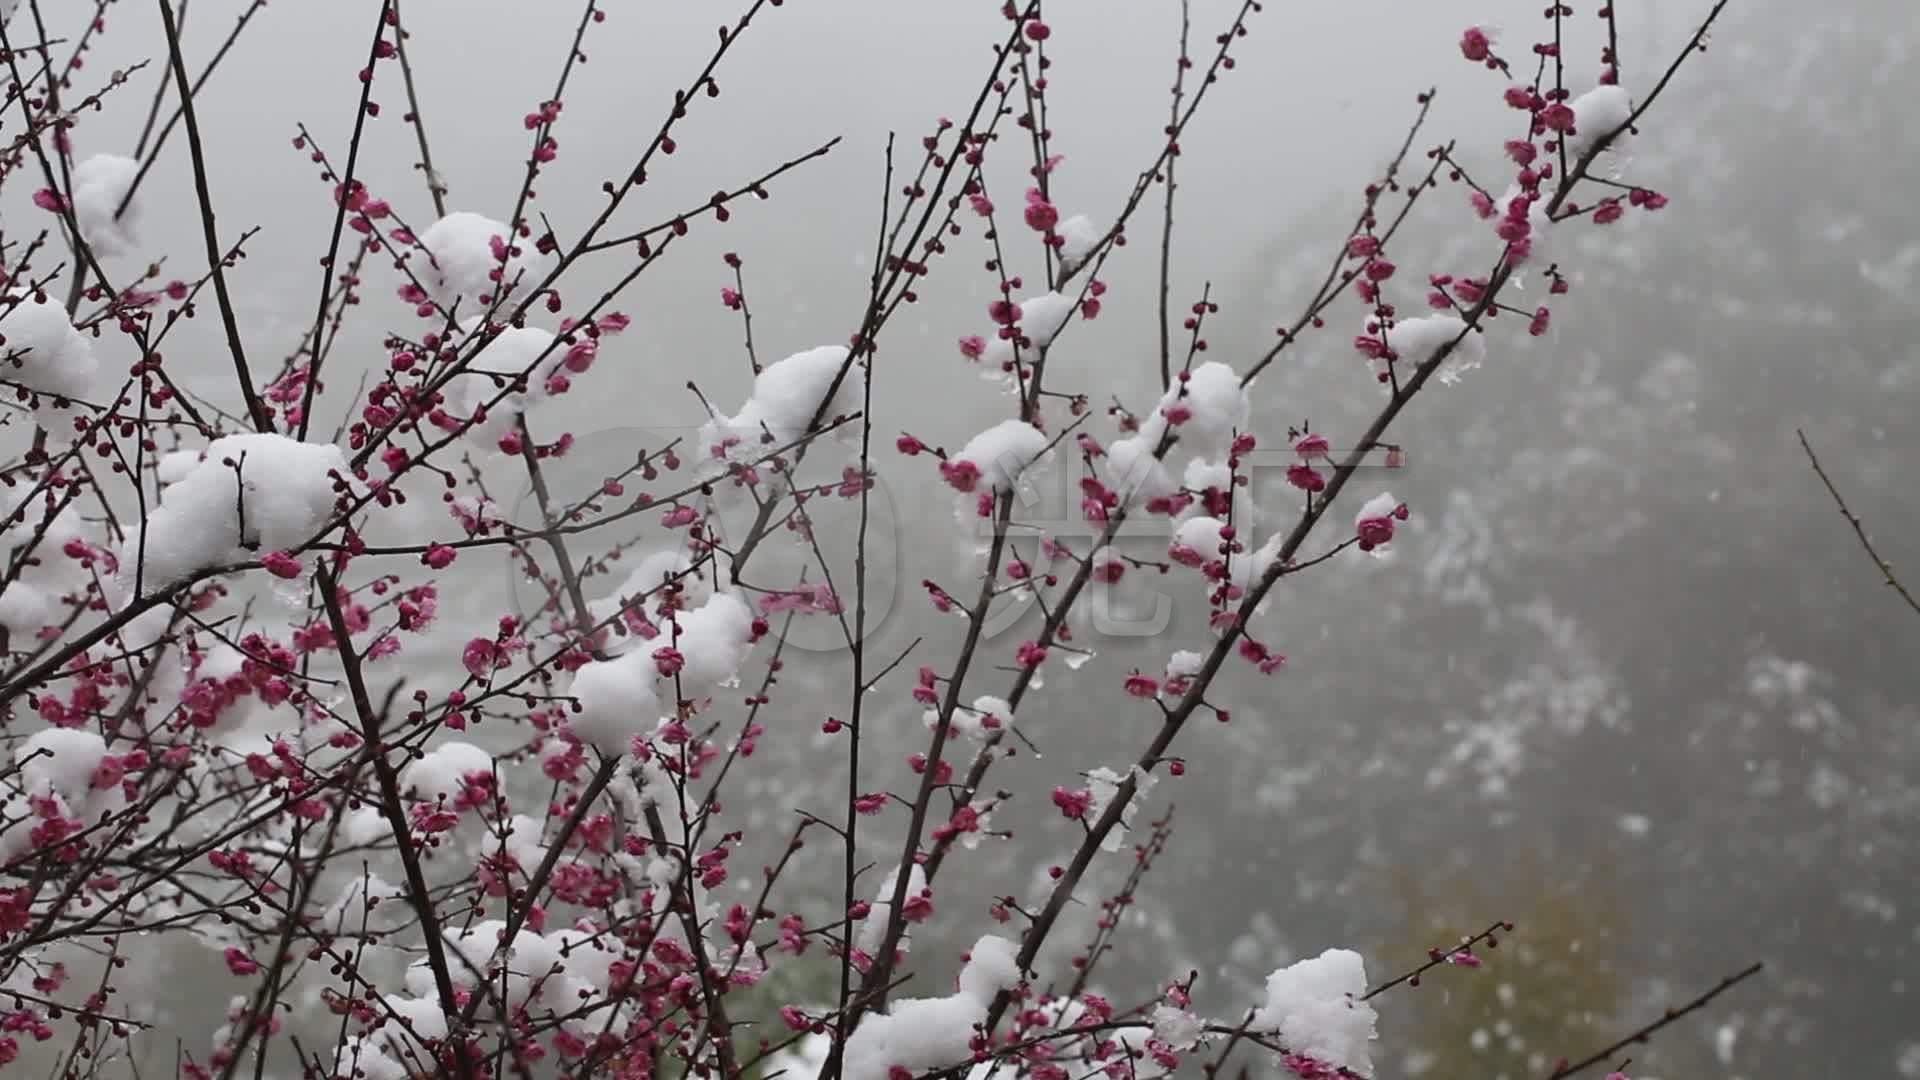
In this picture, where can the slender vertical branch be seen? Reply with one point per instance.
(257, 409)
(345, 197)
(436, 190)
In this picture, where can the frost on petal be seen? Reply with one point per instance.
(1314, 1008)
(100, 184)
(1001, 453)
(1598, 113)
(280, 489)
(465, 268)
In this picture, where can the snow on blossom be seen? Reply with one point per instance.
(787, 395)
(998, 456)
(43, 351)
(1417, 340)
(1374, 523)
(693, 654)
(1177, 1027)
(873, 929)
(1104, 783)
(1596, 114)
(1132, 470)
(100, 184)
(988, 716)
(1078, 237)
(441, 773)
(1314, 1008)
(61, 761)
(617, 700)
(923, 1034)
(1043, 317)
(488, 392)
(1216, 408)
(641, 594)
(31, 600)
(282, 490)
(466, 250)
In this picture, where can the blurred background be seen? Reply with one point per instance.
(1628, 683)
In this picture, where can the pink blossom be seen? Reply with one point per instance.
(679, 517)
(973, 346)
(282, 565)
(730, 297)
(981, 204)
(909, 445)
(962, 476)
(239, 962)
(1475, 45)
(1608, 212)
(1142, 686)
(1538, 325)
(1073, 803)
(1040, 214)
(1362, 246)
(439, 556)
(482, 656)
(50, 200)
(1306, 478)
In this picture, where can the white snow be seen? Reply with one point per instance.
(42, 351)
(622, 697)
(617, 701)
(1131, 469)
(1380, 506)
(1313, 1008)
(1043, 317)
(1417, 340)
(1218, 406)
(1596, 114)
(649, 575)
(174, 465)
(442, 772)
(988, 716)
(1003, 452)
(61, 761)
(1079, 234)
(31, 601)
(285, 490)
(923, 1034)
(787, 394)
(463, 262)
(99, 184)
(1104, 784)
(873, 929)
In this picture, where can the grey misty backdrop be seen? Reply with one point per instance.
(1628, 683)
